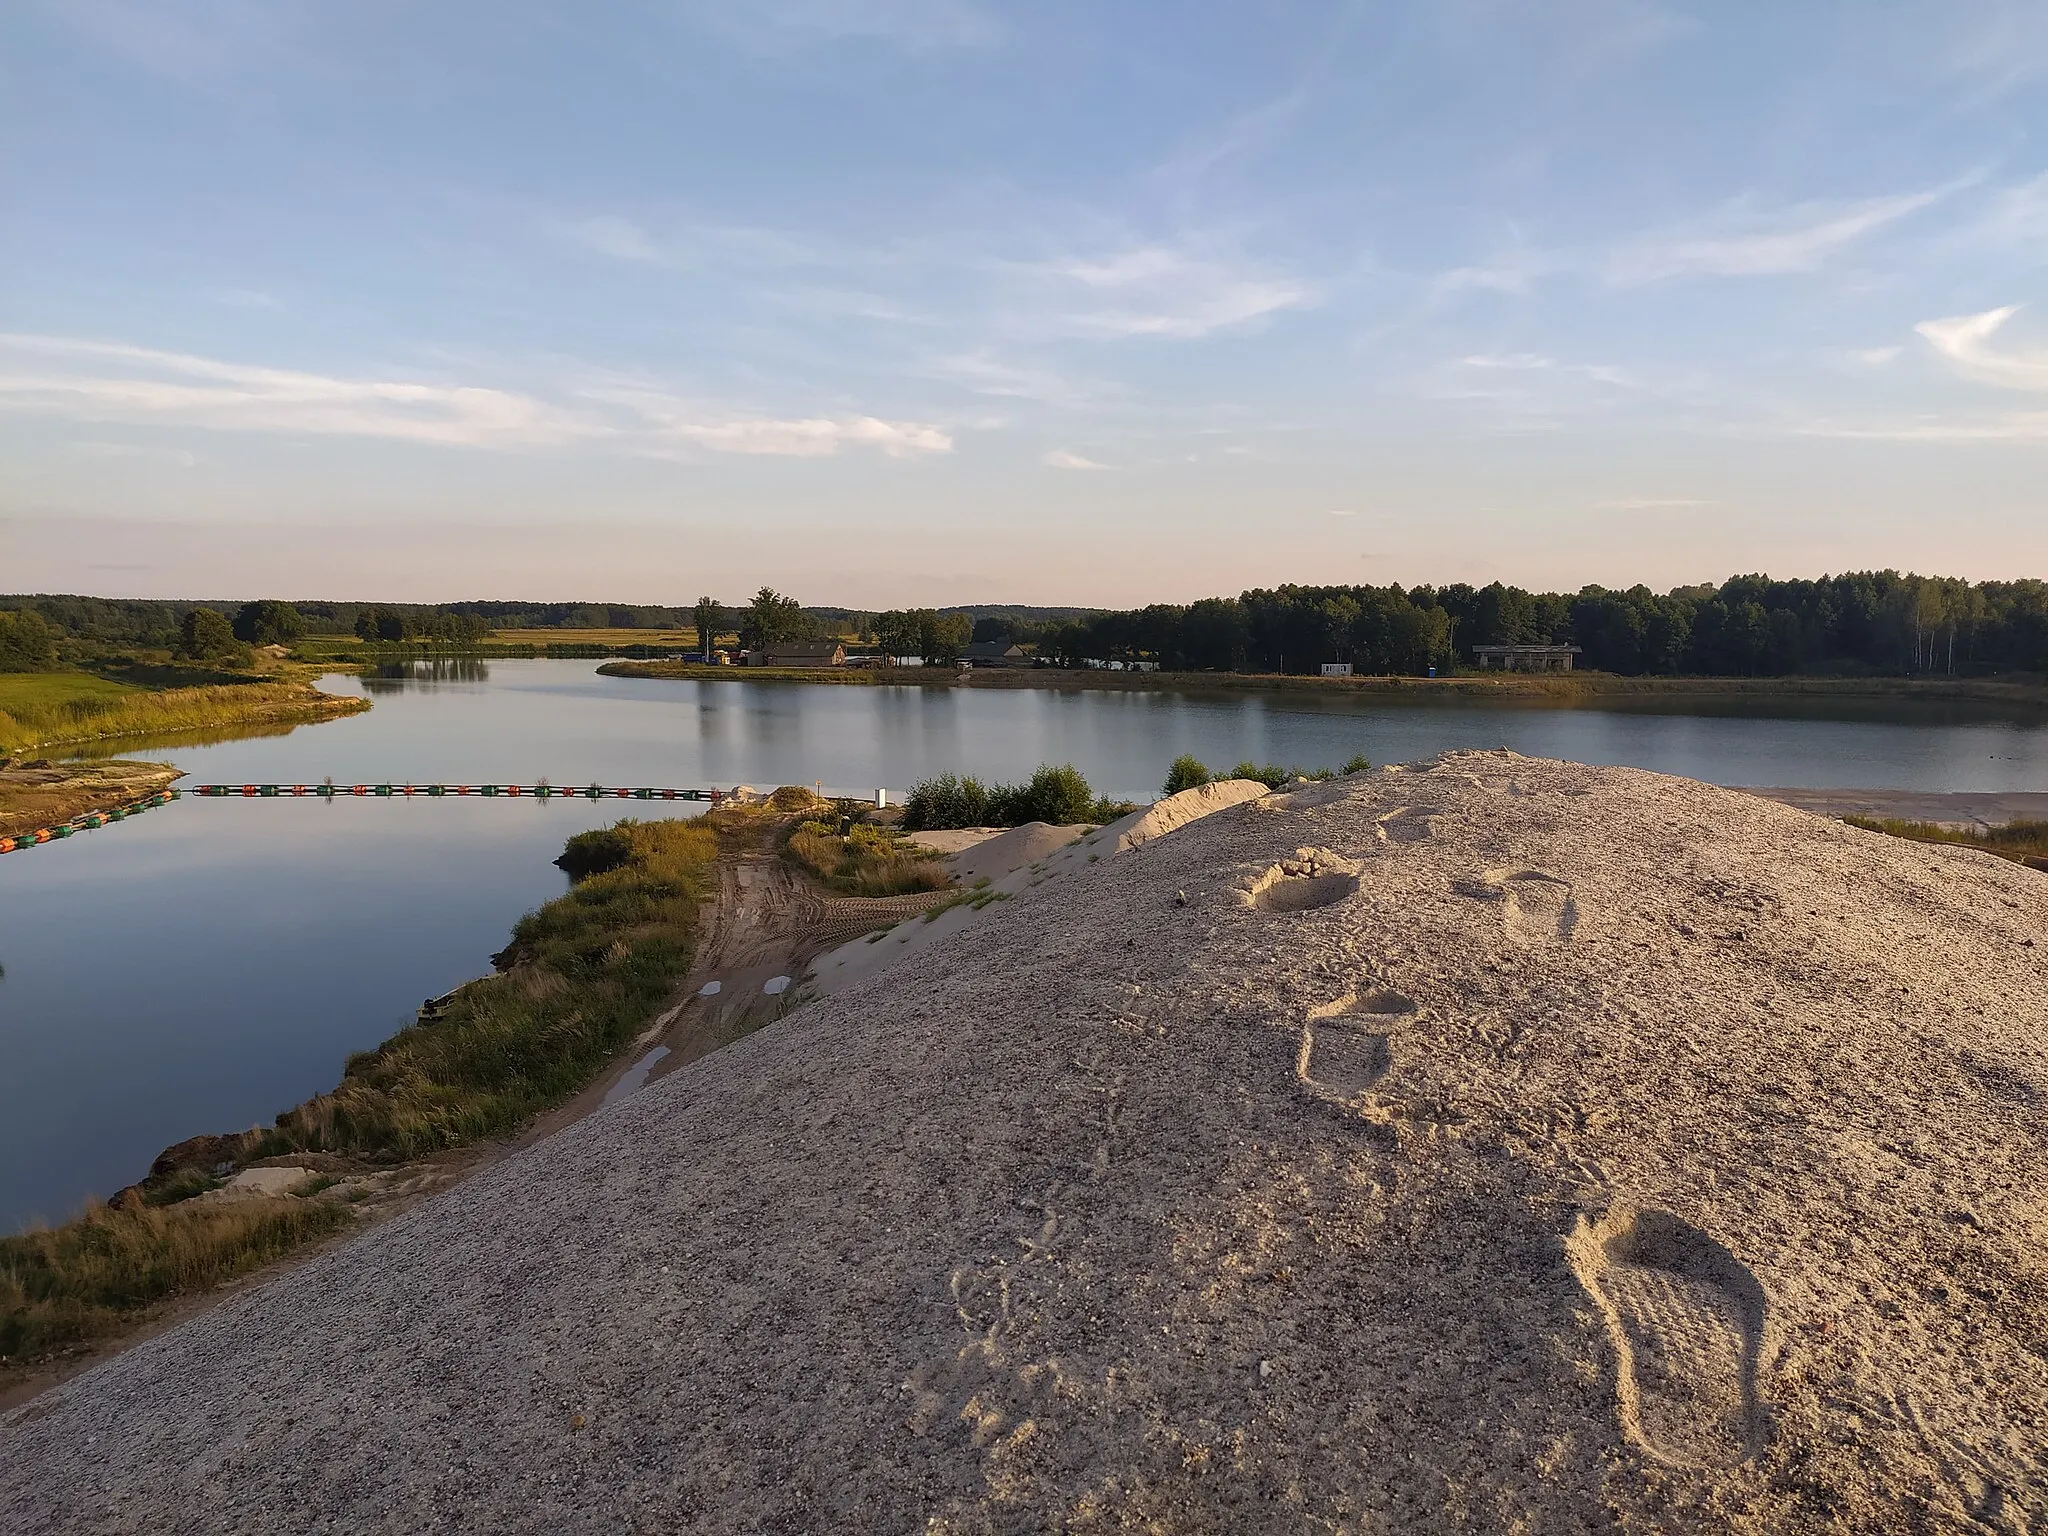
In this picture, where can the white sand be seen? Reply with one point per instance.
(1541, 1148)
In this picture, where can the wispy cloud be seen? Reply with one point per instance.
(1161, 290)
(1965, 341)
(1061, 458)
(1740, 241)
(111, 381)
(2008, 427)
(1650, 503)
(986, 374)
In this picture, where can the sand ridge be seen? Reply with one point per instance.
(1560, 1149)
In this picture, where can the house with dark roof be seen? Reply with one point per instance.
(994, 653)
(799, 653)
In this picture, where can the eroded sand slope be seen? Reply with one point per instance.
(1541, 1148)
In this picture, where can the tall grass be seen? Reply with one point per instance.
(582, 976)
(91, 710)
(2024, 842)
(867, 861)
(1059, 795)
(86, 1278)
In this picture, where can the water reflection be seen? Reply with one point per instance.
(425, 675)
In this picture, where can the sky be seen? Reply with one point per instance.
(892, 302)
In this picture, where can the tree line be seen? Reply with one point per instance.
(1749, 626)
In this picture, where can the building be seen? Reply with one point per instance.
(1336, 669)
(994, 653)
(799, 653)
(1525, 658)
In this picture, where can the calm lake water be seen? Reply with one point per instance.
(213, 962)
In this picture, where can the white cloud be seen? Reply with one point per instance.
(110, 381)
(1061, 458)
(672, 419)
(1650, 503)
(1512, 360)
(1738, 242)
(1964, 341)
(1875, 357)
(1157, 290)
(1341, 512)
(126, 383)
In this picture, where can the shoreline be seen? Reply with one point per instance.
(146, 716)
(39, 794)
(1566, 689)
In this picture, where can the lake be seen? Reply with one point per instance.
(208, 964)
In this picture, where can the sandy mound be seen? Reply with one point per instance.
(1176, 811)
(1012, 850)
(1506, 1146)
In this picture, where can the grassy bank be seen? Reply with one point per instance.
(93, 1276)
(44, 710)
(2024, 842)
(581, 977)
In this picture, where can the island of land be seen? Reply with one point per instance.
(1577, 1148)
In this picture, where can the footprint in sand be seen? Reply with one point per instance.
(1536, 908)
(1687, 1320)
(1344, 1049)
(1409, 824)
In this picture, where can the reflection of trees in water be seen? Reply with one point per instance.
(426, 675)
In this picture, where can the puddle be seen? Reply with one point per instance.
(636, 1075)
(775, 984)
(709, 989)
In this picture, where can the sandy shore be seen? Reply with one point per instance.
(1509, 1145)
(43, 794)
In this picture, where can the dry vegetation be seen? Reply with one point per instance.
(864, 859)
(91, 1276)
(50, 709)
(2024, 842)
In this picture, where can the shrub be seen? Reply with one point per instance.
(594, 852)
(946, 801)
(1187, 772)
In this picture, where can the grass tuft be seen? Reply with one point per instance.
(88, 1277)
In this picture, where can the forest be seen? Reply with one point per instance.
(1857, 623)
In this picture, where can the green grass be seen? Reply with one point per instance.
(90, 1277)
(39, 709)
(2025, 842)
(583, 975)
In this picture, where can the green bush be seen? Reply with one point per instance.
(946, 801)
(1187, 772)
(594, 852)
(1059, 795)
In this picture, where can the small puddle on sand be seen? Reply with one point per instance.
(775, 984)
(636, 1075)
(709, 989)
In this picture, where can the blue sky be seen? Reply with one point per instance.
(894, 301)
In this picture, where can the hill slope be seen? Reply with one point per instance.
(1509, 1145)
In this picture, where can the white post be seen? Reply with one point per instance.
(881, 799)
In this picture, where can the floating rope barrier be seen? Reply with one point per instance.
(537, 791)
(85, 823)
